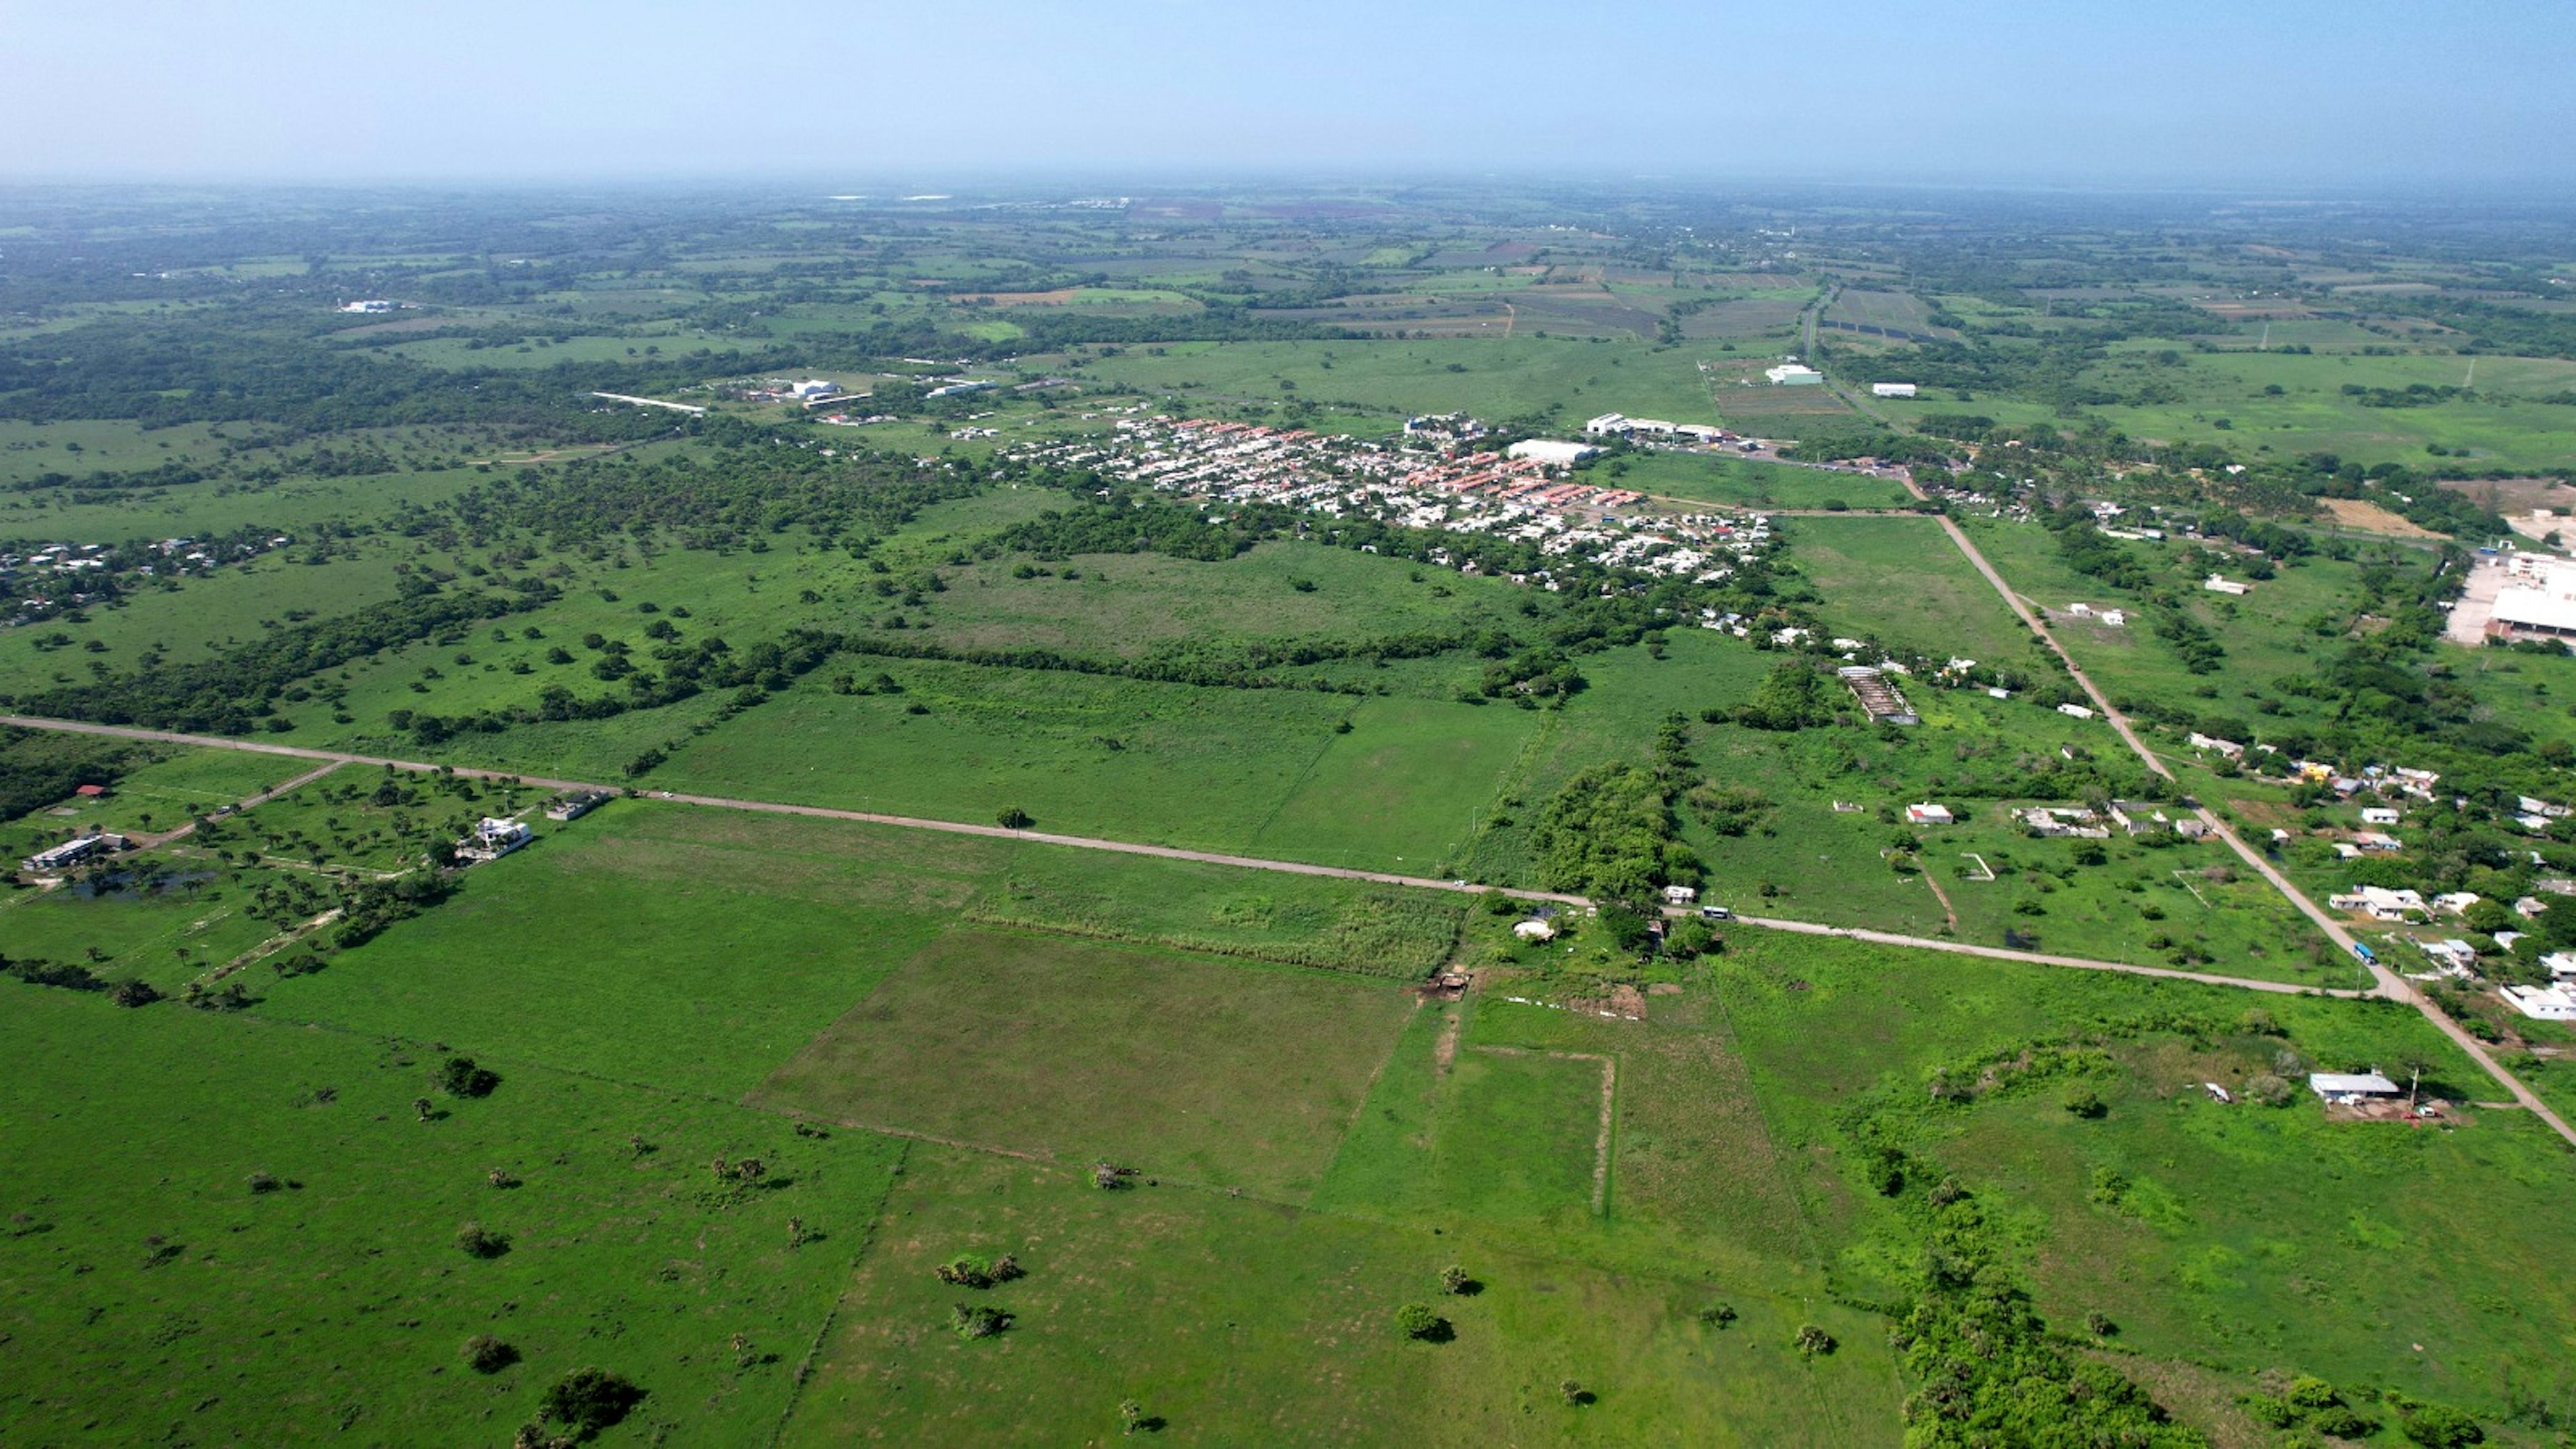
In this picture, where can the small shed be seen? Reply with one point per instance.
(2350, 1086)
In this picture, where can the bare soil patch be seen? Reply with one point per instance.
(2371, 518)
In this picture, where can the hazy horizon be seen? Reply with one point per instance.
(2302, 97)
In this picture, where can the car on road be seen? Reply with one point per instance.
(1716, 913)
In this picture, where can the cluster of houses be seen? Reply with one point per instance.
(1526, 498)
(74, 564)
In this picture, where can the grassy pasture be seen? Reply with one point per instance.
(1901, 581)
(149, 1293)
(1217, 1074)
(1715, 478)
(1200, 767)
(135, 933)
(723, 941)
(1296, 920)
(1403, 789)
(1239, 1321)
(2265, 1238)
(1499, 377)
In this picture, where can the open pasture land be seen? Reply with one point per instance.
(156, 1287)
(1495, 378)
(691, 950)
(165, 930)
(1165, 764)
(1131, 604)
(1403, 789)
(1902, 582)
(2499, 419)
(1220, 1074)
(1235, 1321)
(2256, 1238)
(1697, 477)
(1295, 920)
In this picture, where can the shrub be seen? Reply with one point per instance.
(2267, 1090)
(1813, 1341)
(1454, 1280)
(478, 1241)
(2099, 1324)
(591, 1399)
(261, 1182)
(974, 1320)
(2311, 1392)
(1717, 1315)
(1416, 1320)
(2439, 1426)
(1015, 818)
(2084, 1103)
(488, 1355)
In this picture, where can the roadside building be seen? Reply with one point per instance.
(2351, 1087)
(1927, 814)
(1891, 389)
(1793, 374)
(79, 850)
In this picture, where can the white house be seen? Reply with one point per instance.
(2229, 748)
(2350, 1086)
(2381, 904)
(2217, 585)
(1793, 374)
(1891, 389)
(2075, 711)
(2550, 1003)
(1927, 814)
(2378, 815)
(1680, 895)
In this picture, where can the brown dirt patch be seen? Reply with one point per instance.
(2514, 497)
(2371, 518)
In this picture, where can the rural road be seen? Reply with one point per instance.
(2391, 986)
(1125, 847)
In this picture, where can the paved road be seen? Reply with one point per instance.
(1126, 847)
(2390, 985)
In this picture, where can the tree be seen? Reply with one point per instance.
(137, 992)
(478, 1241)
(591, 1399)
(1454, 1280)
(488, 1355)
(1416, 1320)
(2083, 1102)
(461, 1077)
(1015, 818)
(975, 1320)
(1813, 1341)
(1130, 1414)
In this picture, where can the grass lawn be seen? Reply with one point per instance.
(1169, 764)
(693, 950)
(1403, 789)
(141, 933)
(1217, 1074)
(1239, 1321)
(1902, 582)
(1715, 478)
(1296, 920)
(149, 1294)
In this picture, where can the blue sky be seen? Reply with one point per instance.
(2259, 92)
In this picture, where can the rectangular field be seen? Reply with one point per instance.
(1217, 1074)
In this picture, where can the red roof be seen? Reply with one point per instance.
(91, 790)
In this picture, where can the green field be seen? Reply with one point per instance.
(1695, 477)
(1219, 1075)
(1901, 581)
